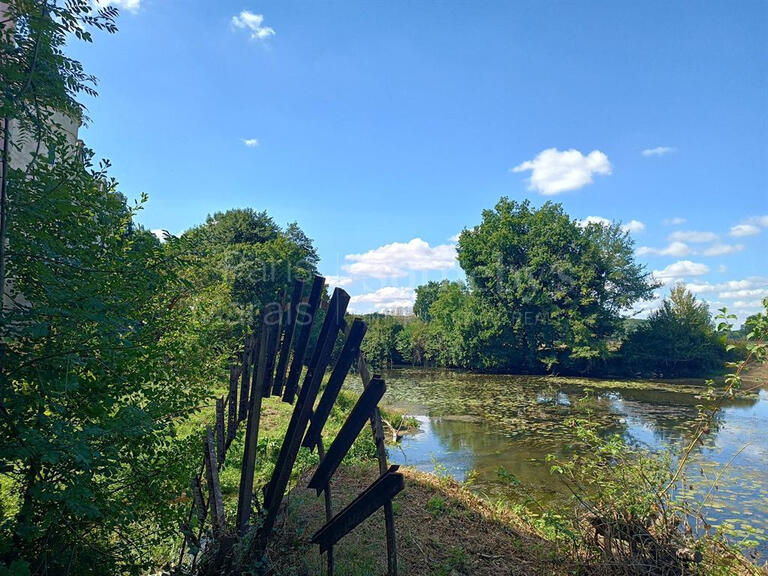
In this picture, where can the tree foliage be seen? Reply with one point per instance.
(678, 340)
(548, 290)
(110, 339)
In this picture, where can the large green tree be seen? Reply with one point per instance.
(548, 289)
(246, 254)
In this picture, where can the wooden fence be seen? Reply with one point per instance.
(272, 363)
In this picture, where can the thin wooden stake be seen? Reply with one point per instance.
(381, 455)
(220, 440)
(234, 375)
(214, 488)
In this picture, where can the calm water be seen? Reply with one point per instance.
(471, 423)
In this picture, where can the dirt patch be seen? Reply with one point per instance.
(442, 529)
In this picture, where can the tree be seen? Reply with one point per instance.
(548, 290)
(104, 352)
(380, 344)
(247, 254)
(426, 294)
(677, 340)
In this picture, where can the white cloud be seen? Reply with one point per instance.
(692, 236)
(387, 298)
(253, 23)
(760, 221)
(554, 172)
(396, 259)
(454, 238)
(751, 304)
(658, 151)
(593, 220)
(676, 249)
(681, 269)
(161, 234)
(251, 142)
(633, 226)
(339, 281)
(744, 230)
(129, 5)
(746, 293)
(722, 249)
(747, 287)
(676, 221)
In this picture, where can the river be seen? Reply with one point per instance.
(473, 424)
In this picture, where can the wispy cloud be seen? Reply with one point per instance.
(692, 236)
(676, 249)
(658, 151)
(676, 221)
(722, 249)
(741, 230)
(679, 270)
(339, 281)
(397, 259)
(254, 24)
(633, 226)
(384, 299)
(251, 142)
(554, 171)
(128, 5)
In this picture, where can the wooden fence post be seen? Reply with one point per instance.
(214, 488)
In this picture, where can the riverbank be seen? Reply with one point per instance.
(442, 529)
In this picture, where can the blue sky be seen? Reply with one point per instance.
(384, 128)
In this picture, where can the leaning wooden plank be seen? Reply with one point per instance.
(214, 488)
(245, 376)
(234, 376)
(374, 497)
(220, 440)
(328, 511)
(304, 319)
(197, 494)
(247, 467)
(303, 410)
(348, 353)
(348, 433)
(273, 316)
(381, 454)
(290, 326)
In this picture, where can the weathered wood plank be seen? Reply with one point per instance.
(214, 488)
(273, 317)
(334, 319)
(328, 511)
(245, 376)
(372, 498)
(245, 493)
(234, 376)
(197, 495)
(304, 319)
(348, 353)
(348, 433)
(290, 328)
(220, 440)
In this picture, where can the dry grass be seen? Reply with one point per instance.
(442, 529)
